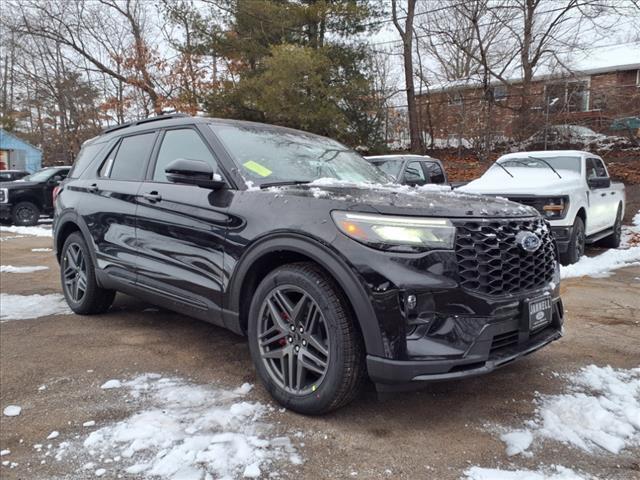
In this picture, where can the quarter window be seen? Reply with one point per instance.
(128, 161)
(182, 143)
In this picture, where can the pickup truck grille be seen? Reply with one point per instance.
(491, 261)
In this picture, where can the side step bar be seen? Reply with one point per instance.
(599, 236)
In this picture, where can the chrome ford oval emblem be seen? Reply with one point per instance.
(528, 241)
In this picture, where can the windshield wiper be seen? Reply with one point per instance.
(547, 164)
(284, 183)
(504, 168)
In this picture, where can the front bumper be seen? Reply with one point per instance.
(499, 342)
(5, 211)
(562, 235)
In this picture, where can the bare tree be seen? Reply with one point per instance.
(406, 34)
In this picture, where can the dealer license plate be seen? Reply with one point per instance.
(539, 312)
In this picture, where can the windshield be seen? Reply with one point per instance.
(390, 166)
(268, 155)
(40, 175)
(559, 163)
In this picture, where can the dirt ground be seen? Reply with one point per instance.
(436, 433)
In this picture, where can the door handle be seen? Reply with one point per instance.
(613, 193)
(93, 188)
(603, 194)
(153, 196)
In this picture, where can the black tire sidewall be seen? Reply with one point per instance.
(32, 206)
(578, 224)
(321, 399)
(88, 301)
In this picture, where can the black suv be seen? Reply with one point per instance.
(23, 201)
(292, 239)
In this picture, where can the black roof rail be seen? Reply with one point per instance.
(143, 121)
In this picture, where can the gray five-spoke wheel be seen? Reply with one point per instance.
(293, 340)
(75, 272)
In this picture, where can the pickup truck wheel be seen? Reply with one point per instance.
(575, 249)
(613, 240)
(303, 340)
(79, 284)
(25, 214)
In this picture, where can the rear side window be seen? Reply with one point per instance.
(87, 154)
(595, 168)
(413, 174)
(182, 143)
(128, 161)
(433, 169)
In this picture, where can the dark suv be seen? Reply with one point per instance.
(292, 239)
(23, 201)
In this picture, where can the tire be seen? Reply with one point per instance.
(25, 214)
(575, 249)
(324, 332)
(613, 240)
(77, 275)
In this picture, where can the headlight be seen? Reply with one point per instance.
(388, 232)
(4, 197)
(555, 207)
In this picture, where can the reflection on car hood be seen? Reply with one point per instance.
(392, 199)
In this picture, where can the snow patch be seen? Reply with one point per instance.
(90, 423)
(4, 452)
(603, 265)
(556, 472)
(12, 269)
(35, 231)
(12, 411)
(182, 430)
(601, 411)
(110, 384)
(41, 249)
(23, 307)
(54, 434)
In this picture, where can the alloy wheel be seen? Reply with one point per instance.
(75, 272)
(293, 340)
(25, 215)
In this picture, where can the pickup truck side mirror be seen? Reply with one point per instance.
(193, 172)
(599, 182)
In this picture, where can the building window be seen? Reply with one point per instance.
(499, 92)
(568, 96)
(455, 98)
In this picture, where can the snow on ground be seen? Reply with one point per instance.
(604, 264)
(110, 384)
(22, 307)
(12, 269)
(38, 231)
(599, 414)
(12, 411)
(556, 472)
(41, 249)
(185, 431)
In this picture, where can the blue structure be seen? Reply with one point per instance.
(16, 154)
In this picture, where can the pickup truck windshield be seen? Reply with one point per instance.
(40, 175)
(559, 163)
(273, 156)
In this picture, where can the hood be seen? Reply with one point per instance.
(15, 184)
(531, 181)
(391, 199)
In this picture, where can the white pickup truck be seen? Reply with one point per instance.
(570, 188)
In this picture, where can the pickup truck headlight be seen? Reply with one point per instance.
(4, 195)
(390, 232)
(555, 207)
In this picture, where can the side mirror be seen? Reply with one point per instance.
(193, 172)
(599, 182)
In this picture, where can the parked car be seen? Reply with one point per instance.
(11, 175)
(570, 188)
(23, 201)
(416, 170)
(282, 236)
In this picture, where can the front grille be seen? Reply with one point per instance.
(535, 202)
(491, 261)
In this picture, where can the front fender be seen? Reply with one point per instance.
(328, 259)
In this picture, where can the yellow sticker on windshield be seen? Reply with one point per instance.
(255, 167)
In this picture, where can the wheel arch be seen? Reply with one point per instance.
(66, 224)
(274, 251)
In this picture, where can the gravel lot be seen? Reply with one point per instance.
(437, 433)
